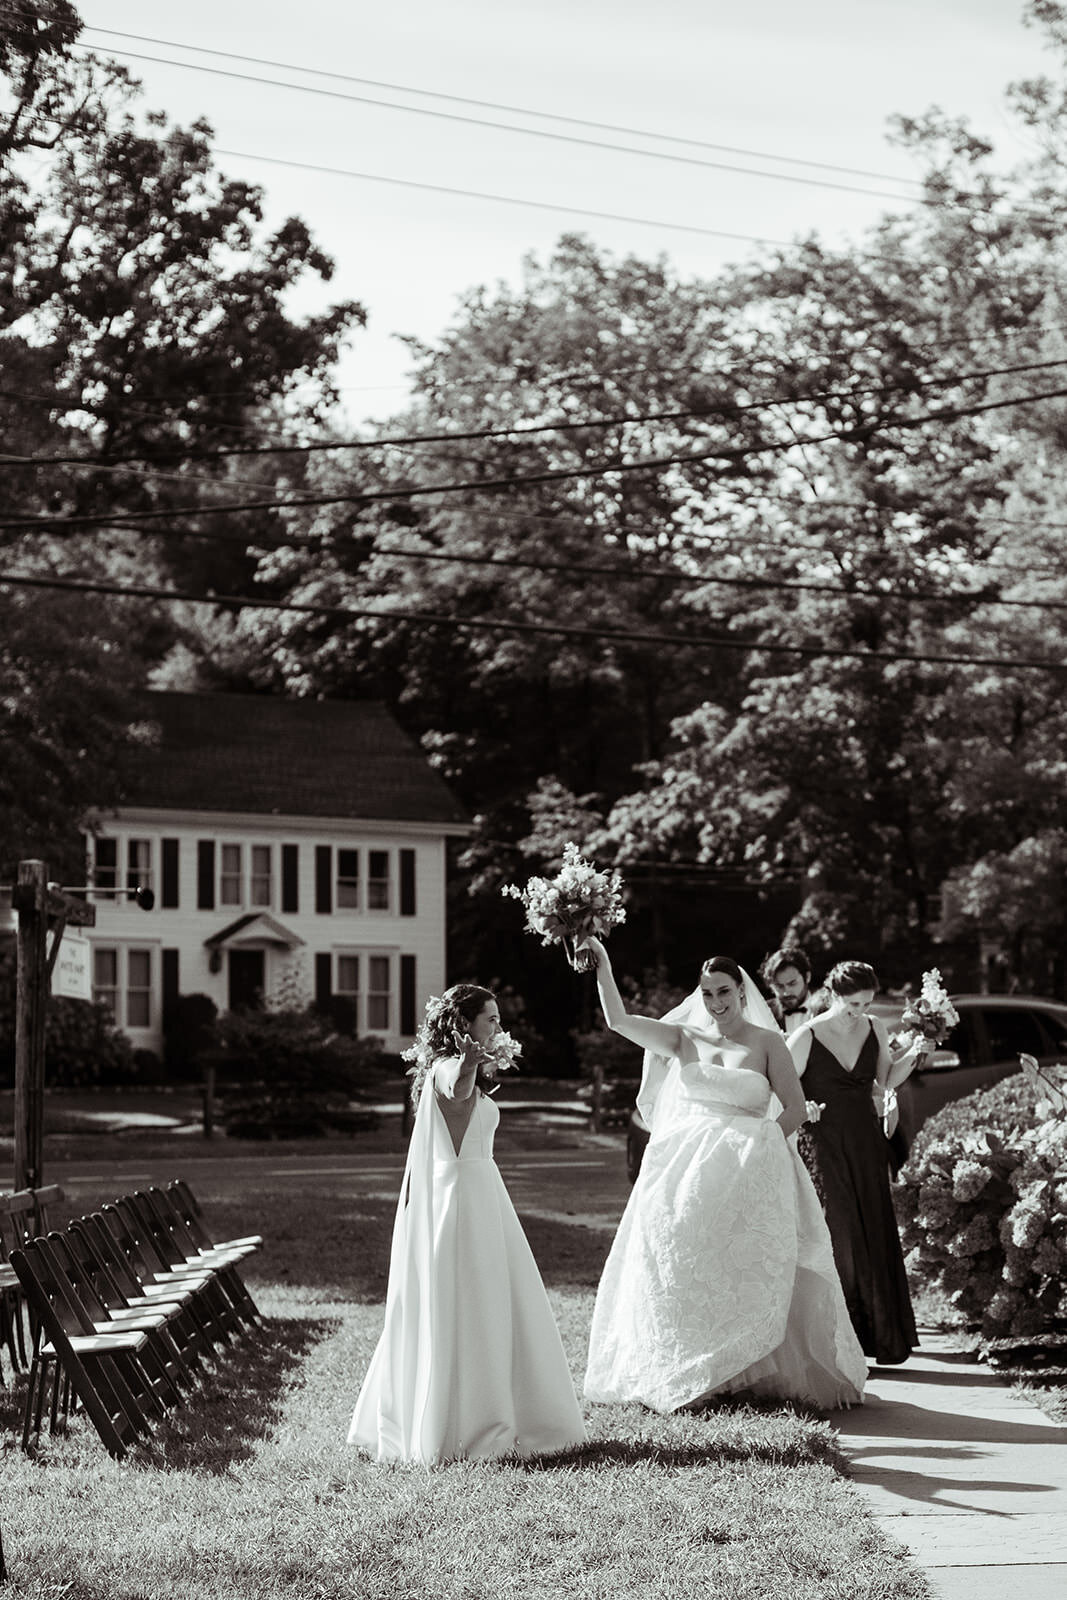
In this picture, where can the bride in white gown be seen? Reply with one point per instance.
(470, 1361)
(721, 1277)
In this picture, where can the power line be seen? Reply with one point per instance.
(534, 133)
(504, 199)
(523, 430)
(496, 625)
(727, 580)
(492, 105)
(518, 481)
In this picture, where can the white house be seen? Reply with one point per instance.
(294, 848)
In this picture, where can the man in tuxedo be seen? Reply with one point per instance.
(788, 974)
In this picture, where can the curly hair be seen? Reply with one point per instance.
(444, 1017)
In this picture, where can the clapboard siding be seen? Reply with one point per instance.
(185, 928)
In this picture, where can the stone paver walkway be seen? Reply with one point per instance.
(971, 1479)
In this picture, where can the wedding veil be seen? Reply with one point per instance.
(692, 1015)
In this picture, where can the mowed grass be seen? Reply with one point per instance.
(250, 1493)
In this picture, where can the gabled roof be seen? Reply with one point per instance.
(255, 927)
(298, 758)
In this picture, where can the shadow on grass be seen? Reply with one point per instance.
(240, 1401)
(629, 1452)
(237, 1403)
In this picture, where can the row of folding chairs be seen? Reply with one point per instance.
(129, 1305)
(23, 1215)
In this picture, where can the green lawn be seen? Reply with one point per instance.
(251, 1494)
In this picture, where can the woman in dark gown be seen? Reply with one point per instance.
(844, 1060)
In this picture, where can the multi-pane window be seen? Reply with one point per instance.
(377, 880)
(106, 979)
(230, 875)
(122, 981)
(106, 863)
(348, 880)
(378, 994)
(367, 982)
(138, 988)
(138, 863)
(261, 870)
(348, 978)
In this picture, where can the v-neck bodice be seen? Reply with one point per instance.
(823, 1064)
(477, 1141)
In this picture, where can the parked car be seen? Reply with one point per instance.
(983, 1047)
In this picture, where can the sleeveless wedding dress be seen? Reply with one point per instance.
(470, 1361)
(721, 1277)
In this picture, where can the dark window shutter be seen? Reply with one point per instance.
(171, 979)
(290, 877)
(407, 994)
(407, 884)
(324, 878)
(169, 885)
(323, 979)
(205, 874)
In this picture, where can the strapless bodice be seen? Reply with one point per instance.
(707, 1085)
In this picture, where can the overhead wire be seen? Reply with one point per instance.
(704, 412)
(506, 127)
(516, 481)
(499, 625)
(492, 105)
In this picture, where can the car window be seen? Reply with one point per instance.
(1010, 1032)
(1056, 1031)
(961, 1039)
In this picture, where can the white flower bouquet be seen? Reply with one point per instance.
(577, 902)
(928, 1018)
(1050, 1084)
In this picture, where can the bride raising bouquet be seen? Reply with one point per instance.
(577, 902)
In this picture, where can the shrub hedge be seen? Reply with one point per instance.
(982, 1208)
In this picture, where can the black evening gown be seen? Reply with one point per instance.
(846, 1154)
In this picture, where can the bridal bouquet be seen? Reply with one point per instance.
(928, 1018)
(499, 1055)
(577, 902)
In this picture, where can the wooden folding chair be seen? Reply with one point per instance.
(189, 1208)
(97, 1368)
(164, 1359)
(158, 1237)
(175, 1236)
(212, 1308)
(121, 1290)
(23, 1215)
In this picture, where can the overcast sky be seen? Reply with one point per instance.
(815, 82)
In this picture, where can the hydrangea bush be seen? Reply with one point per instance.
(982, 1206)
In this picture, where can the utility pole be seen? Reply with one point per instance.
(28, 900)
(38, 904)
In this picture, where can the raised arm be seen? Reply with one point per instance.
(786, 1085)
(454, 1076)
(651, 1034)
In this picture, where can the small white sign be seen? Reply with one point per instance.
(70, 975)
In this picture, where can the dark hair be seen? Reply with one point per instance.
(722, 964)
(444, 1018)
(787, 956)
(849, 977)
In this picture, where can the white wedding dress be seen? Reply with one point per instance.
(470, 1361)
(721, 1277)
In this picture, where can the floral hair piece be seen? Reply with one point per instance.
(442, 1020)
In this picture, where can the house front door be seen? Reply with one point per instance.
(246, 979)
